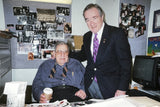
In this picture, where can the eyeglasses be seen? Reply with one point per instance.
(62, 52)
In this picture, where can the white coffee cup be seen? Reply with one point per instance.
(48, 93)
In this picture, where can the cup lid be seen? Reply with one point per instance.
(48, 90)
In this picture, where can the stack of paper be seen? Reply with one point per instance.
(15, 92)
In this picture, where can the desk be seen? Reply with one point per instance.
(148, 102)
(126, 102)
(113, 102)
(135, 93)
(137, 102)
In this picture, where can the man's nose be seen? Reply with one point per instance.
(62, 53)
(91, 22)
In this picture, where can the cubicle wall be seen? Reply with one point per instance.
(5, 62)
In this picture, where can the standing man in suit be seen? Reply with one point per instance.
(108, 56)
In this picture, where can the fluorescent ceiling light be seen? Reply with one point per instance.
(54, 1)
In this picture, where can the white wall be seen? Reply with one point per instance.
(79, 26)
(155, 5)
(111, 10)
(24, 75)
(2, 22)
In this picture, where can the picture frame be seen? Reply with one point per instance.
(153, 45)
(156, 21)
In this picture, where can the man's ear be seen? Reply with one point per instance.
(103, 17)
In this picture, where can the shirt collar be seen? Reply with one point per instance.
(99, 33)
(62, 65)
(101, 30)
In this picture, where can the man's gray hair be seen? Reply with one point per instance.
(61, 43)
(100, 10)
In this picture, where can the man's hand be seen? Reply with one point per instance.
(81, 94)
(119, 93)
(43, 99)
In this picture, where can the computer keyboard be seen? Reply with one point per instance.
(149, 93)
(157, 92)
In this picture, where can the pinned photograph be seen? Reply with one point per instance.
(67, 28)
(60, 20)
(63, 11)
(131, 33)
(22, 20)
(21, 10)
(31, 17)
(30, 56)
(48, 54)
(51, 33)
(59, 35)
(46, 15)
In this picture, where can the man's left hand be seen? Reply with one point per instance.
(81, 94)
(119, 93)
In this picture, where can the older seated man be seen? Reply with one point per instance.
(64, 75)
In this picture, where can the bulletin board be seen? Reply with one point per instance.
(134, 18)
(38, 26)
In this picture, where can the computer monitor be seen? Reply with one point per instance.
(146, 71)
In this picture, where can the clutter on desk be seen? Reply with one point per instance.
(62, 103)
(121, 101)
(15, 92)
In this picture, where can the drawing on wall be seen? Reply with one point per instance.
(132, 19)
(40, 29)
(153, 45)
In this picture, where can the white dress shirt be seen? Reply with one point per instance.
(99, 36)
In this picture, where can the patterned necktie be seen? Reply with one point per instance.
(95, 47)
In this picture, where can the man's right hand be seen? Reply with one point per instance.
(81, 94)
(43, 99)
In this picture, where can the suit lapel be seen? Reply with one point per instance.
(104, 42)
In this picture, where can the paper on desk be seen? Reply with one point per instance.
(114, 102)
(62, 103)
(15, 87)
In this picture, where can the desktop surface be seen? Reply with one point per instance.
(149, 93)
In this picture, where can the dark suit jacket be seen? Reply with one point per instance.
(113, 63)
